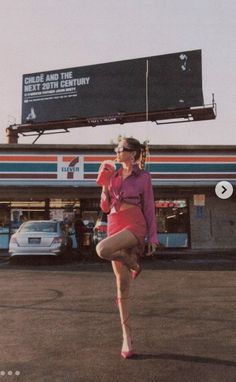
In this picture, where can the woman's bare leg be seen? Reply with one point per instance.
(118, 247)
(120, 250)
(123, 301)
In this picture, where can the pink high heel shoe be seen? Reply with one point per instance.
(135, 273)
(129, 353)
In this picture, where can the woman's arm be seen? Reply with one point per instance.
(149, 209)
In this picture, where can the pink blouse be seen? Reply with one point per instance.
(136, 189)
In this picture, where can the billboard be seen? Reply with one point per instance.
(142, 85)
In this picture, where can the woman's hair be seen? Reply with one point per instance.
(141, 150)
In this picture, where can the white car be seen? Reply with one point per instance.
(40, 237)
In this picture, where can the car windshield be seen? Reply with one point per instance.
(39, 227)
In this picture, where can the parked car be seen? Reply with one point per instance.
(40, 237)
(100, 229)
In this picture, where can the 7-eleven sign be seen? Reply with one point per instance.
(69, 168)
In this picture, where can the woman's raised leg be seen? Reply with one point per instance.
(118, 247)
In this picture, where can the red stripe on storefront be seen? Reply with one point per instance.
(69, 158)
(34, 158)
(28, 176)
(173, 159)
(180, 176)
(99, 158)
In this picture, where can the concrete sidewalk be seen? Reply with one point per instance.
(60, 323)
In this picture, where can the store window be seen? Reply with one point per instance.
(4, 224)
(173, 222)
(26, 210)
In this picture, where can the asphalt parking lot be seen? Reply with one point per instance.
(60, 322)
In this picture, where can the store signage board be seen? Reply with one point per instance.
(76, 167)
(199, 200)
(156, 83)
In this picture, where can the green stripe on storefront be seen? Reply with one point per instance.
(28, 167)
(177, 167)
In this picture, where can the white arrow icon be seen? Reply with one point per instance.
(224, 189)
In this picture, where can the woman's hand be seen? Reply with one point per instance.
(152, 248)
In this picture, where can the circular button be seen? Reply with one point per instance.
(224, 189)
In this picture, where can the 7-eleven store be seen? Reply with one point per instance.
(54, 181)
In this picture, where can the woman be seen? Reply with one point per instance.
(129, 200)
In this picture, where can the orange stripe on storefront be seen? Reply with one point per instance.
(99, 158)
(174, 159)
(70, 158)
(34, 158)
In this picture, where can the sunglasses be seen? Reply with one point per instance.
(121, 149)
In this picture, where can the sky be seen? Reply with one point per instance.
(55, 34)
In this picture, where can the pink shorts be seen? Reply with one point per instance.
(131, 219)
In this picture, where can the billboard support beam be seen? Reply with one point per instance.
(201, 113)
